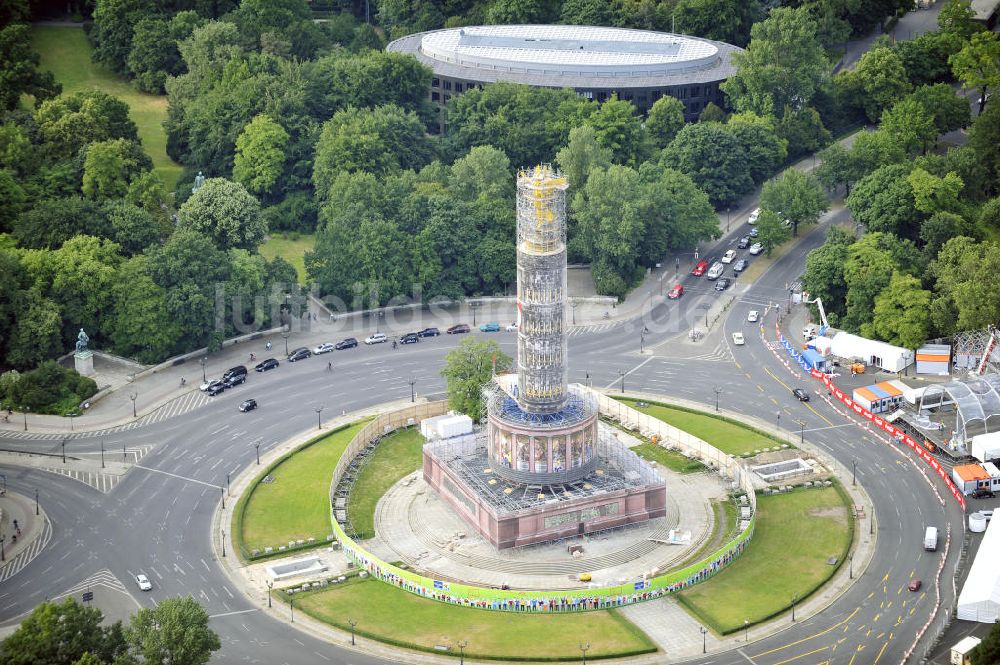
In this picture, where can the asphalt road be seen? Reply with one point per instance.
(159, 517)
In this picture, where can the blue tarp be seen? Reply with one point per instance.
(813, 359)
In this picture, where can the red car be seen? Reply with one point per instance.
(914, 585)
(676, 292)
(700, 269)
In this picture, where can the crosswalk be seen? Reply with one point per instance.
(15, 565)
(176, 407)
(721, 353)
(102, 482)
(589, 330)
(102, 578)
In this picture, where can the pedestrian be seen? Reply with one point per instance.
(267, 346)
(329, 367)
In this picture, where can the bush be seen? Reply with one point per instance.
(49, 388)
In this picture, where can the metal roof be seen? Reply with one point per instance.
(567, 55)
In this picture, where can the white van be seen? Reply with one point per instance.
(715, 272)
(930, 539)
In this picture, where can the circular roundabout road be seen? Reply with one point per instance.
(158, 518)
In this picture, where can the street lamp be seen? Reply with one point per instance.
(850, 562)
(777, 422)
(269, 585)
(291, 607)
(746, 630)
(64, 450)
(284, 336)
(802, 432)
(573, 305)
(704, 639)
(584, 648)
(718, 391)
(622, 373)
(413, 395)
(854, 472)
(223, 539)
(642, 340)
(228, 493)
(353, 623)
(36, 500)
(3, 553)
(222, 491)
(461, 644)
(794, 598)
(132, 397)
(257, 448)
(319, 422)
(102, 453)
(204, 377)
(24, 411)
(728, 218)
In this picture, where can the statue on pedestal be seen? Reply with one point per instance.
(81, 341)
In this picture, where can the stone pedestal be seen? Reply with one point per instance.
(84, 361)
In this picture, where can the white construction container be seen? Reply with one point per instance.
(455, 425)
(985, 447)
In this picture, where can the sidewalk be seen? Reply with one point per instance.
(19, 509)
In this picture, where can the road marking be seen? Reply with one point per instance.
(179, 477)
(805, 639)
(229, 614)
(611, 385)
(880, 652)
(802, 655)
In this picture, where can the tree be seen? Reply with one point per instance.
(949, 111)
(712, 113)
(771, 230)
(988, 651)
(132, 228)
(933, 194)
(520, 12)
(957, 17)
(36, 336)
(175, 632)
(977, 65)
(765, 150)
(79, 277)
(802, 131)
(15, 148)
(585, 12)
(60, 634)
(925, 58)
(110, 165)
(581, 156)
(984, 140)
(714, 159)
(13, 198)
(883, 201)
(114, 21)
(824, 274)
(154, 55)
(664, 120)
(469, 367)
(784, 64)
(19, 69)
(483, 173)
(224, 211)
(837, 167)
(867, 273)
(900, 316)
(51, 222)
(260, 155)
(910, 126)
(964, 273)
(874, 149)
(722, 20)
(796, 196)
(989, 215)
(677, 213)
(882, 79)
(620, 130)
(68, 123)
(941, 227)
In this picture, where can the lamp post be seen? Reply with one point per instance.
(854, 472)
(64, 450)
(3, 553)
(728, 218)
(461, 644)
(319, 421)
(850, 565)
(704, 639)
(622, 374)
(802, 432)
(746, 630)
(573, 305)
(353, 623)
(584, 648)
(269, 585)
(777, 422)
(642, 340)
(718, 391)
(413, 395)
(228, 493)
(284, 336)
(24, 411)
(132, 397)
(291, 607)
(257, 448)
(794, 598)
(204, 376)
(36, 500)
(223, 539)
(222, 492)
(102, 453)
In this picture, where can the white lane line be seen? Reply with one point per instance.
(178, 476)
(614, 381)
(229, 614)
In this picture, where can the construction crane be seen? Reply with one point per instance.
(822, 312)
(990, 346)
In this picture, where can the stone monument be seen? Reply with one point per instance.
(84, 357)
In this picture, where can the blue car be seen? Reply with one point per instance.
(490, 327)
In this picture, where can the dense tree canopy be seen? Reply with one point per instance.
(225, 212)
(714, 158)
(467, 368)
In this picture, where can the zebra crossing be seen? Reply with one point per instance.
(598, 327)
(14, 566)
(102, 578)
(176, 407)
(721, 353)
(102, 482)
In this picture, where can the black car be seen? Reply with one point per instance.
(216, 388)
(235, 380)
(458, 329)
(800, 394)
(234, 371)
(248, 405)
(722, 284)
(299, 354)
(983, 494)
(348, 343)
(409, 338)
(429, 332)
(744, 242)
(740, 266)
(265, 365)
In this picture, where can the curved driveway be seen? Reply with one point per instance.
(158, 518)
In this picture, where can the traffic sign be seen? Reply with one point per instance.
(88, 596)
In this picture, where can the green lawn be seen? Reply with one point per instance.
(667, 458)
(296, 504)
(293, 251)
(389, 614)
(397, 455)
(66, 53)
(796, 534)
(728, 437)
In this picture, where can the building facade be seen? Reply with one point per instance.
(639, 66)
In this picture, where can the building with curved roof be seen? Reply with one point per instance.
(639, 66)
(975, 404)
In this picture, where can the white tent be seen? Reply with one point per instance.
(980, 597)
(871, 352)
